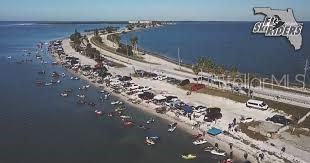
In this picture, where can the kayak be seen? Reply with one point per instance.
(189, 156)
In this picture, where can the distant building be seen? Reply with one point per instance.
(140, 22)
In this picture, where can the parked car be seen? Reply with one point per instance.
(256, 104)
(279, 119)
(246, 120)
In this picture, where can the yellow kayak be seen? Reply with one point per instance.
(189, 157)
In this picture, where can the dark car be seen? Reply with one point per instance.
(279, 119)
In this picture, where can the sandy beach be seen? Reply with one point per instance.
(230, 109)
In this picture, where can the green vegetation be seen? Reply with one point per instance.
(97, 35)
(76, 40)
(81, 44)
(122, 52)
(252, 134)
(206, 64)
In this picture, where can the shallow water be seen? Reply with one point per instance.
(38, 125)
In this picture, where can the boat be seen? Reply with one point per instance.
(9, 57)
(172, 127)
(189, 156)
(106, 97)
(98, 112)
(115, 102)
(200, 142)
(150, 121)
(129, 124)
(48, 84)
(64, 94)
(125, 117)
(208, 149)
(87, 86)
(81, 96)
(218, 152)
(227, 161)
(149, 141)
(154, 138)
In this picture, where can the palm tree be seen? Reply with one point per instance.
(196, 69)
(134, 43)
(116, 39)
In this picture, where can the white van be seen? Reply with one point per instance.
(257, 104)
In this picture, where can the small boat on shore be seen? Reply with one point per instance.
(99, 113)
(218, 152)
(64, 95)
(48, 84)
(172, 127)
(200, 142)
(149, 141)
(81, 96)
(115, 102)
(208, 149)
(150, 121)
(125, 117)
(129, 124)
(189, 156)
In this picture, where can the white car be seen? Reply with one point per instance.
(257, 104)
(246, 120)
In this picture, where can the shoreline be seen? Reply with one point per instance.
(185, 127)
(238, 151)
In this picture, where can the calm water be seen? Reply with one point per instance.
(228, 43)
(37, 125)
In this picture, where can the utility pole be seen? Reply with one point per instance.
(307, 67)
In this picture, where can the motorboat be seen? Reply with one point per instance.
(218, 152)
(208, 149)
(154, 138)
(98, 112)
(81, 96)
(87, 86)
(172, 127)
(125, 117)
(150, 121)
(227, 161)
(115, 102)
(129, 124)
(189, 156)
(149, 141)
(48, 84)
(9, 57)
(64, 94)
(200, 142)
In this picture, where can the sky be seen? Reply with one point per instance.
(123, 10)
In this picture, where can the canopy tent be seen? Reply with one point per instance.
(214, 131)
